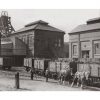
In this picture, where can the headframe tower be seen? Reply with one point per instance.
(5, 24)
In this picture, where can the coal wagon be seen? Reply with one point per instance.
(6, 62)
(90, 65)
(55, 66)
(40, 65)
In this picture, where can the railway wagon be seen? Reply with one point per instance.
(40, 65)
(6, 62)
(52, 69)
(64, 65)
(10, 61)
(56, 66)
(28, 63)
(92, 66)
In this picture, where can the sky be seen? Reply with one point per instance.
(64, 19)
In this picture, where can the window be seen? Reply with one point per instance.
(59, 43)
(74, 49)
(31, 40)
(97, 48)
(24, 39)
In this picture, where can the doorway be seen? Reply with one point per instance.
(85, 54)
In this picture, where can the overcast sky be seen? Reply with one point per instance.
(65, 19)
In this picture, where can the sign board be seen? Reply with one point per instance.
(85, 46)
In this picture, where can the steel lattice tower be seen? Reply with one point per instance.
(5, 24)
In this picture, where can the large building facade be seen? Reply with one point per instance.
(40, 39)
(84, 40)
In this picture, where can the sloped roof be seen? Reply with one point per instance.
(93, 19)
(92, 24)
(36, 22)
(26, 29)
(39, 25)
(86, 27)
(48, 27)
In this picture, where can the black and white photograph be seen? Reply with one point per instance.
(49, 49)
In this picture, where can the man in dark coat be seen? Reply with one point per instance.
(32, 73)
(73, 66)
(47, 74)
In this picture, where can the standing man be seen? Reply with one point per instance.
(73, 66)
(47, 74)
(32, 73)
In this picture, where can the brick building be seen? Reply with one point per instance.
(40, 39)
(84, 40)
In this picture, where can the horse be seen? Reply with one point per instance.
(81, 78)
(65, 75)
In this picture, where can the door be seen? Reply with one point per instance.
(85, 54)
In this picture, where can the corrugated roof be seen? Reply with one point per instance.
(39, 26)
(86, 27)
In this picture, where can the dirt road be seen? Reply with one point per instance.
(7, 83)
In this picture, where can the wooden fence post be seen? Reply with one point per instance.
(17, 80)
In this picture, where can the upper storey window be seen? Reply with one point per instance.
(97, 47)
(24, 39)
(31, 40)
(58, 43)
